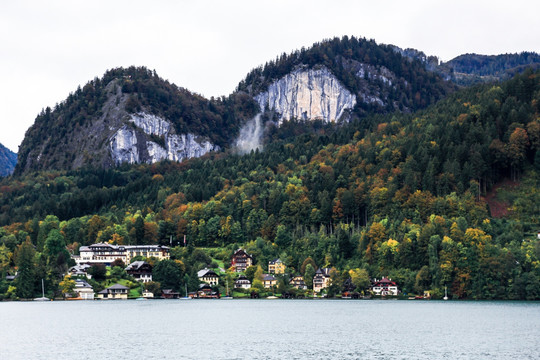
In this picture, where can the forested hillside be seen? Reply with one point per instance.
(469, 69)
(77, 132)
(398, 195)
(8, 159)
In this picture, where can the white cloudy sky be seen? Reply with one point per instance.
(48, 48)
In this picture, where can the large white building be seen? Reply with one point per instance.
(106, 253)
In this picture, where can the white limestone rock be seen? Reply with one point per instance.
(131, 143)
(307, 94)
(123, 146)
(151, 124)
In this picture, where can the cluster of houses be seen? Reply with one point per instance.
(240, 261)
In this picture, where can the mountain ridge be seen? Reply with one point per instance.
(131, 115)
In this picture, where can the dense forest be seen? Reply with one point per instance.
(399, 195)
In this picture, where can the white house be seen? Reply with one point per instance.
(140, 270)
(242, 282)
(384, 287)
(208, 276)
(84, 290)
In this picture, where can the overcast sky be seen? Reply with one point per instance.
(48, 48)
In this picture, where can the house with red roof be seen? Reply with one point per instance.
(384, 287)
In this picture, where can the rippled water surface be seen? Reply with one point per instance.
(269, 329)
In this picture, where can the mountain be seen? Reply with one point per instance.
(130, 116)
(8, 159)
(348, 76)
(470, 69)
(133, 116)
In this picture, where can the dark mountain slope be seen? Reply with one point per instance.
(130, 115)
(8, 159)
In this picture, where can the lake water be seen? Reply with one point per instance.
(269, 329)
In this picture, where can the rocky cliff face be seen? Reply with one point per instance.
(307, 94)
(113, 137)
(310, 94)
(132, 144)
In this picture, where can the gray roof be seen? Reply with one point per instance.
(118, 287)
(82, 284)
(80, 268)
(135, 265)
(268, 277)
(206, 272)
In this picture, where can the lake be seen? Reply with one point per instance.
(269, 329)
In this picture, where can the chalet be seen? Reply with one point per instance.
(208, 276)
(298, 282)
(83, 290)
(80, 271)
(242, 283)
(241, 260)
(276, 266)
(116, 291)
(140, 270)
(205, 292)
(321, 280)
(269, 281)
(384, 287)
(170, 294)
(103, 253)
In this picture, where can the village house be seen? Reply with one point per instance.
(242, 282)
(276, 266)
(384, 287)
(140, 270)
(298, 282)
(269, 281)
(241, 260)
(80, 271)
(116, 291)
(208, 276)
(205, 292)
(106, 254)
(170, 294)
(321, 280)
(83, 290)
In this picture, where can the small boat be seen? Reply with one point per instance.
(42, 298)
(445, 294)
(272, 297)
